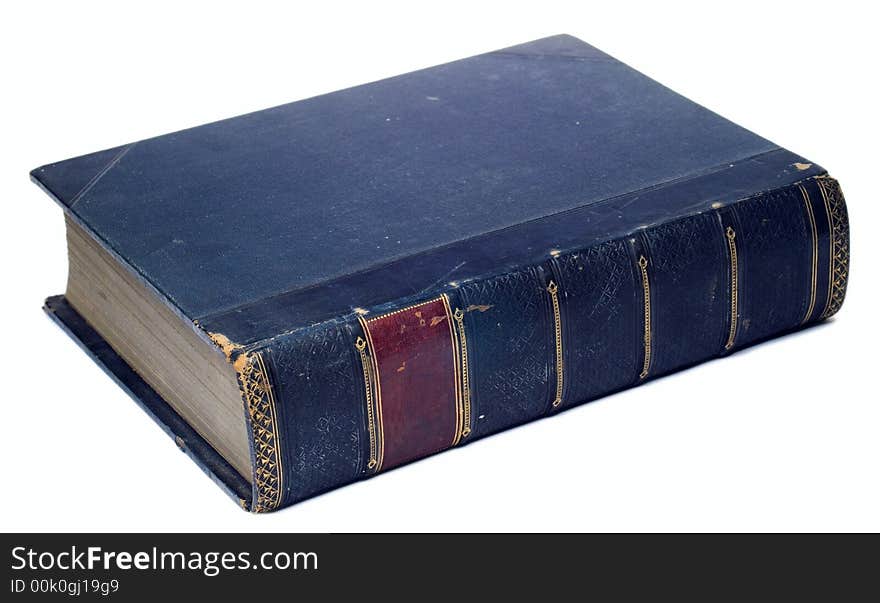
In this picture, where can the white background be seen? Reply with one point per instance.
(783, 436)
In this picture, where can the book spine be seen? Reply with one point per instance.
(355, 396)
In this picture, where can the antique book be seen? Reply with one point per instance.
(316, 293)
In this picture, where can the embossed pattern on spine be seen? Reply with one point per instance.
(646, 302)
(730, 234)
(603, 341)
(318, 383)
(814, 252)
(509, 351)
(260, 400)
(838, 222)
(553, 290)
(689, 276)
(772, 241)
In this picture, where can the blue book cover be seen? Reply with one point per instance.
(401, 267)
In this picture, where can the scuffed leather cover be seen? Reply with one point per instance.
(398, 167)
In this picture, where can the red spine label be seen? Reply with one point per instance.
(414, 353)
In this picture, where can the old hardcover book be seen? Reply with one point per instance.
(313, 294)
